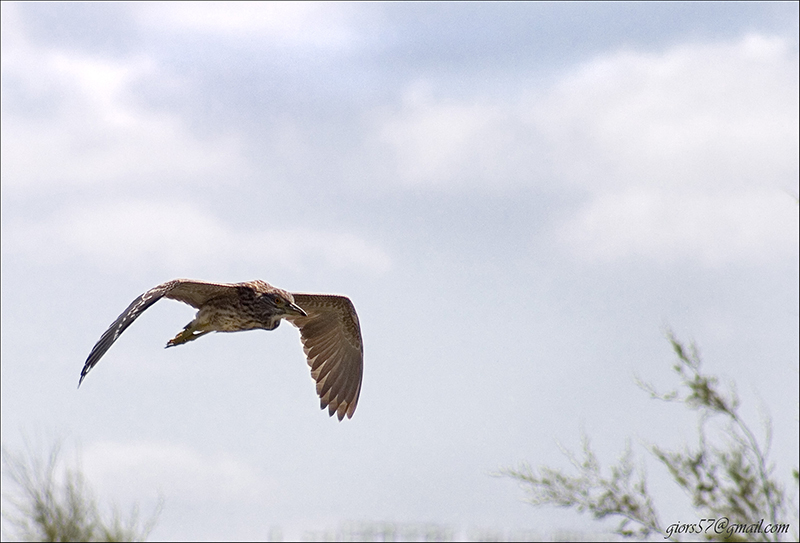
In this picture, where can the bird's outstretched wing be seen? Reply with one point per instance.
(194, 293)
(331, 339)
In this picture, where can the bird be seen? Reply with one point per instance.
(329, 329)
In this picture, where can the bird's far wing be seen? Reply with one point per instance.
(185, 293)
(331, 339)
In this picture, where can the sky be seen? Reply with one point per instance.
(520, 199)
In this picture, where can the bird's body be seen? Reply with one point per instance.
(329, 329)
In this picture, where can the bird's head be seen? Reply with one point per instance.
(282, 303)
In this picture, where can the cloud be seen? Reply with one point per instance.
(717, 114)
(446, 143)
(682, 153)
(745, 226)
(76, 120)
(139, 233)
(281, 24)
(143, 467)
(645, 139)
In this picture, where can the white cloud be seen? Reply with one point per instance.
(444, 143)
(138, 234)
(75, 121)
(714, 229)
(718, 115)
(685, 155)
(292, 24)
(141, 468)
(686, 152)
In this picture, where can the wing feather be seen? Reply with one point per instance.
(331, 337)
(324, 352)
(197, 293)
(328, 377)
(194, 293)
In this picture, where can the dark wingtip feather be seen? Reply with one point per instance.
(123, 321)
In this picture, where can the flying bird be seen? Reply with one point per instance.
(329, 329)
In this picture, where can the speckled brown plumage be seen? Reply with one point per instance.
(329, 329)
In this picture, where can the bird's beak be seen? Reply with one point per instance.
(293, 309)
